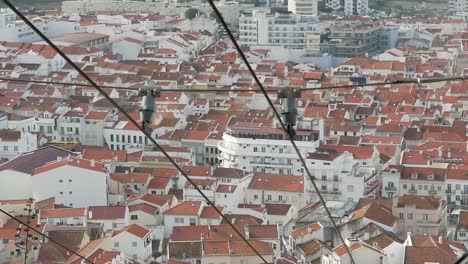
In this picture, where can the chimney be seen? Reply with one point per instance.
(193, 205)
(440, 240)
(93, 163)
(229, 188)
(247, 232)
(309, 229)
(233, 220)
(127, 172)
(439, 150)
(449, 151)
(375, 244)
(90, 214)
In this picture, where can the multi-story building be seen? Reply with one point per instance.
(66, 178)
(303, 7)
(253, 147)
(13, 143)
(14, 30)
(340, 177)
(457, 187)
(334, 4)
(69, 126)
(356, 7)
(287, 30)
(421, 215)
(402, 180)
(459, 7)
(352, 38)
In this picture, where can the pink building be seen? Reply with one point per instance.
(420, 215)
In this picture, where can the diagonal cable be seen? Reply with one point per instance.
(325, 87)
(252, 72)
(135, 123)
(46, 236)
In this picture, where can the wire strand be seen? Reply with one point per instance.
(252, 72)
(44, 235)
(326, 87)
(135, 123)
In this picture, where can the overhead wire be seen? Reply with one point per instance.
(135, 123)
(325, 87)
(46, 236)
(277, 115)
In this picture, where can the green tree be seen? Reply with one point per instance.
(191, 13)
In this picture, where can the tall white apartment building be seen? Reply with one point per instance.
(334, 4)
(256, 148)
(303, 7)
(287, 30)
(356, 7)
(350, 7)
(459, 7)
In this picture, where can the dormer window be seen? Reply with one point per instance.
(430, 177)
(414, 176)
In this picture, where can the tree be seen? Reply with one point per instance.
(191, 13)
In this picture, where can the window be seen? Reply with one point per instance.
(324, 188)
(60, 192)
(15, 148)
(255, 149)
(425, 217)
(114, 225)
(439, 188)
(116, 244)
(255, 197)
(280, 197)
(350, 188)
(70, 192)
(402, 216)
(179, 220)
(134, 217)
(269, 197)
(410, 216)
(134, 244)
(404, 186)
(60, 180)
(5, 148)
(324, 177)
(462, 234)
(457, 186)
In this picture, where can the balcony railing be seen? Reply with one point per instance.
(390, 188)
(412, 191)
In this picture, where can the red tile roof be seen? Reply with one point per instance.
(185, 208)
(277, 182)
(62, 213)
(135, 230)
(70, 161)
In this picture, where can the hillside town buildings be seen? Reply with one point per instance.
(390, 160)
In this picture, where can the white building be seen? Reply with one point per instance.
(303, 7)
(13, 143)
(17, 172)
(276, 188)
(69, 181)
(356, 7)
(340, 177)
(254, 148)
(286, 30)
(182, 214)
(134, 240)
(15, 30)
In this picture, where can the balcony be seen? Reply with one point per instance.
(432, 192)
(429, 223)
(390, 188)
(412, 191)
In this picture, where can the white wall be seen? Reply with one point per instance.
(126, 240)
(15, 185)
(87, 187)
